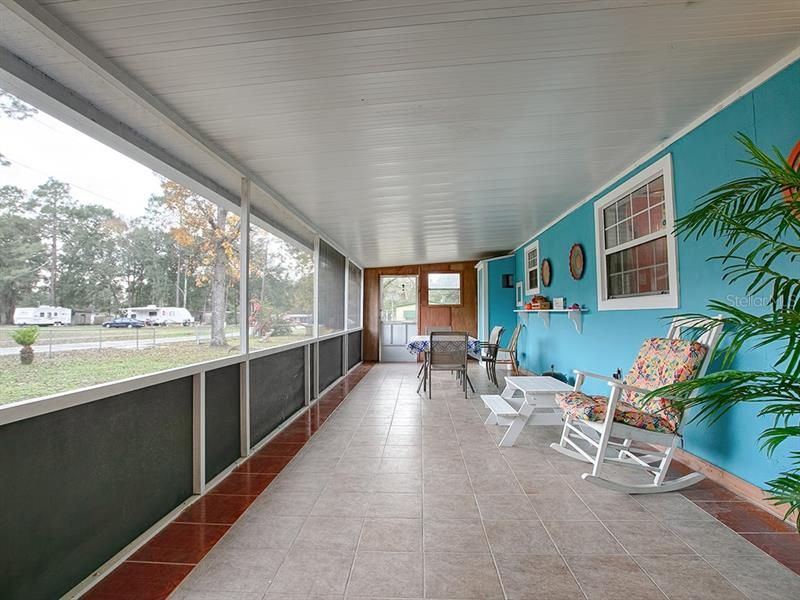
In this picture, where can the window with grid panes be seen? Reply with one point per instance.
(636, 248)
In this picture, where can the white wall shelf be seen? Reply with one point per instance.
(573, 314)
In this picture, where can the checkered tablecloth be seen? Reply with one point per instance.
(422, 343)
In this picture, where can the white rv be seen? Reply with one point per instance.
(43, 315)
(161, 315)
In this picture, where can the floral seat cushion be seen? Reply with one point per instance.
(593, 408)
(660, 362)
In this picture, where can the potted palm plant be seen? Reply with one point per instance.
(26, 337)
(758, 219)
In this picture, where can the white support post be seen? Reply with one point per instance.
(315, 374)
(244, 258)
(346, 310)
(244, 319)
(316, 287)
(307, 349)
(199, 433)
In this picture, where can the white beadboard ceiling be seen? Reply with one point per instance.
(415, 131)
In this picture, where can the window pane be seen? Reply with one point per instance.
(281, 286)
(611, 237)
(639, 200)
(657, 218)
(143, 275)
(353, 297)
(444, 288)
(641, 224)
(624, 208)
(656, 191)
(638, 271)
(625, 231)
(610, 215)
(533, 279)
(331, 289)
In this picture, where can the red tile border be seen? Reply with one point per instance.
(135, 581)
(774, 536)
(158, 567)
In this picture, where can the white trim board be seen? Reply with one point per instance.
(738, 93)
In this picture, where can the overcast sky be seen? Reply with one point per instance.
(41, 146)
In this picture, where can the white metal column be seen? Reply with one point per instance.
(244, 319)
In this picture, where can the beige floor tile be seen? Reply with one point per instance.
(583, 538)
(333, 503)
(257, 529)
(449, 506)
(688, 578)
(504, 507)
(391, 535)
(613, 578)
(309, 572)
(400, 465)
(711, 537)
(461, 576)
(758, 576)
(454, 535)
(408, 506)
(235, 570)
(447, 483)
(518, 537)
(386, 575)
(647, 537)
(536, 577)
(284, 504)
(561, 506)
(331, 533)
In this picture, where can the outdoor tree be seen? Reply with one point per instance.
(209, 232)
(21, 252)
(54, 205)
(13, 108)
(90, 259)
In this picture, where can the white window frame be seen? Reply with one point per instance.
(663, 166)
(529, 291)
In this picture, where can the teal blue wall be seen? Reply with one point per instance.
(702, 159)
(501, 300)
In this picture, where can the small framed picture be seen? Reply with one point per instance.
(520, 297)
(559, 303)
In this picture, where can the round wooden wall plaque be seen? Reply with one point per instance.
(576, 261)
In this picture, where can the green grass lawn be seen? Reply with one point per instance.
(68, 371)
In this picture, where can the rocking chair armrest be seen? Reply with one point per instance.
(627, 388)
(594, 375)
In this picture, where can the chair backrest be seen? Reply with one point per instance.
(431, 328)
(448, 348)
(494, 336)
(663, 361)
(512, 343)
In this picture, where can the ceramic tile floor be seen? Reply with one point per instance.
(398, 496)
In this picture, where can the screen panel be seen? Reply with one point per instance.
(222, 419)
(330, 361)
(81, 483)
(354, 277)
(353, 349)
(277, 390)
(332, 266)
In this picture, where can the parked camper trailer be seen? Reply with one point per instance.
(43, 315)
(161, 315)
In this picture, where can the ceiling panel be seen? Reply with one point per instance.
(414, 131)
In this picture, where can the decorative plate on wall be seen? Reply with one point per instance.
(547, 272)
(576, 261)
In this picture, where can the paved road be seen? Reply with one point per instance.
(145, 341)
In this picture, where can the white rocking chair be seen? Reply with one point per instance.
(622, 429)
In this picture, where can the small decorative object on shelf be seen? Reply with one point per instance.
(576, 261)
(575, 306)
(559, 303)
(540, 303)
(547, 273)
(529, 306)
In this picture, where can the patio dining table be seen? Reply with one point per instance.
(421, 344)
